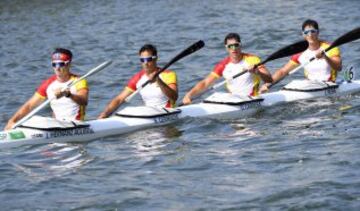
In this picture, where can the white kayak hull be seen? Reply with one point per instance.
(117, 125)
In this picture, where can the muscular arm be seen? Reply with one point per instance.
(33, 102)
(81, 97)
(334, 62)
(170, 90)
(199, 88)
(264, 74)
(115, 103)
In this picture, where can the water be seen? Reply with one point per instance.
(301, 156)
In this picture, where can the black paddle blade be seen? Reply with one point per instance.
(348, 37)
(191, 49)
(288, 51)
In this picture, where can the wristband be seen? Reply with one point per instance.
(68, 94)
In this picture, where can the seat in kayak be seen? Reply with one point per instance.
(50, 124)
(146, 112)
(230, 99)
(310, 86)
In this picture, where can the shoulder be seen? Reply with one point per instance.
(168, 76)
(168, 72)
(251, 58)
(41, 90)
(222, 63)
(295, 58)
(333, 52)
(82, 84)
(134, 79)
(220, 66)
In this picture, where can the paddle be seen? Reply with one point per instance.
(72, 83)
(346, 38)
(191, 49)
(283, 52)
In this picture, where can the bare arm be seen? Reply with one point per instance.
(199, 88)
(115, 103)
(33, 102)
(170, 90)
(278, 75)
(264, 74)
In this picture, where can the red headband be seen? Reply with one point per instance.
(60, 56)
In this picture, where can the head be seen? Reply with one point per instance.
(148, 57)
(310, 30)
(232, 43)
(61, 60)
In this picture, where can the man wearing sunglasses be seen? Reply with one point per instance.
(161, 92)
(236, 62)
(69, 104)
(324, 68)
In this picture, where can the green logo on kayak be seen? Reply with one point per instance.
(17, 135)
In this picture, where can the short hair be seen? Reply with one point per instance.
(310, 22)
(148, 47)
(234, 36)
(63, 51)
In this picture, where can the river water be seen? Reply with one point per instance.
(301, 156)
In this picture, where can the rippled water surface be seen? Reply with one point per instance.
(301, 156)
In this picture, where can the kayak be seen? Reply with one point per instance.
(43, 130)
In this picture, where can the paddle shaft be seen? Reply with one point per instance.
(45, 103)
(191, 49)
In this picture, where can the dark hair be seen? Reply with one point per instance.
(234, 36)
(63, 51)
(310, 22)
(150, 48)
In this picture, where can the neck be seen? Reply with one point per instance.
(314, 45)
(63, 78)
(151, 70)
(236, 58)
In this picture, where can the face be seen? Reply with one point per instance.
(148, 61)
(61, 68)
(310, 34)
(233, 47)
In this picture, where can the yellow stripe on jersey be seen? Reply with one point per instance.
(251, 59)
(81, 84)
(214, 74)
(39, 95)
(333, 52)
(168, 77)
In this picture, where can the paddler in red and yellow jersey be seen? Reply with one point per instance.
(69, 104)
(161, 92)
(323, 68)
(237, 61)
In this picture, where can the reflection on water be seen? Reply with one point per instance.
(299, 156)
(53, 160)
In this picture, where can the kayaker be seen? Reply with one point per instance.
(235, 62)
(70, 103)
(162, 92)
(324, 68)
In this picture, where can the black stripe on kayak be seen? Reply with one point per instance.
(57, 128)
(148, 116)
(234, 103)
(329, 86)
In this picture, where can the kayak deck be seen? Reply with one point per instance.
(117, 125)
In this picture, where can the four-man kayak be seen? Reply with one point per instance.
(41, 130)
